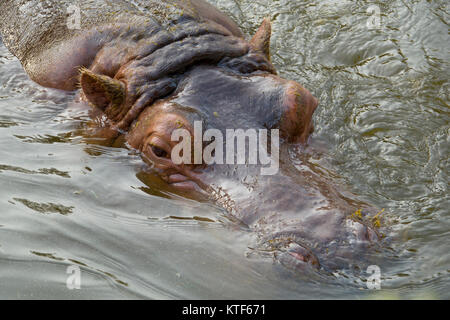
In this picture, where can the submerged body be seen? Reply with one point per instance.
(151, 67)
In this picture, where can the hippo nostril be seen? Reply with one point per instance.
(303, 254)
(297, 257)
(291, 251)
(362, 233)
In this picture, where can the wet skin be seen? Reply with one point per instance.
(145, 78)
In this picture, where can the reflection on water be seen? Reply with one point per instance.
(382, 128)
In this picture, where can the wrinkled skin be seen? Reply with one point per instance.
(150, 70)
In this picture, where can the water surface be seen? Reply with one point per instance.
(382, 129)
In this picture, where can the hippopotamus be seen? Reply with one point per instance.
(152, 68)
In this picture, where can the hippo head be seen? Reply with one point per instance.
(208, 104)
(224, 83)
(187, 122)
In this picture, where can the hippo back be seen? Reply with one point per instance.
(41, 33)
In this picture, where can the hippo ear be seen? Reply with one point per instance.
(261, 40)
(101, 91)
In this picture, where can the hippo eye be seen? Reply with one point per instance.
(159, 152)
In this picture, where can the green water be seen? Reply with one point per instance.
(382, 128)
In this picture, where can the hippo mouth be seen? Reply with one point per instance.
(182, 182)
(181, 178)
(187, 183)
